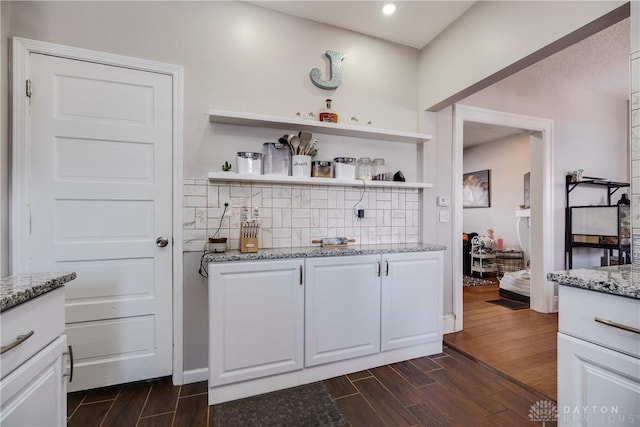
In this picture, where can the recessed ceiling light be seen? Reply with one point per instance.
(389, 9)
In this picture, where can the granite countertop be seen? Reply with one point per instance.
(15, 290)
(616, 280)
(317, 251)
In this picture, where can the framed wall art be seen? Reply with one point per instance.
(476, 189)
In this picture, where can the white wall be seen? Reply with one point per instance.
(243, 58)
(495, 36)
(590, 133)
(508, 159)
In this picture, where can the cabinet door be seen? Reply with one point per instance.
(35, 394)
(596, 386)
(255, 319)
(411, 299)
(342, 308)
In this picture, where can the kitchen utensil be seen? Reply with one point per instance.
(334, 242)
(294, 143)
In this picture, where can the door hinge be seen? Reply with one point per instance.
(28, 88)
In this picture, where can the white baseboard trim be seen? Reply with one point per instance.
(448, 324)
(195, 375)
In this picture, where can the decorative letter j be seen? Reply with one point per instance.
(335, 58)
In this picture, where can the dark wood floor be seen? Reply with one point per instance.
(447, 389)
(519, 343)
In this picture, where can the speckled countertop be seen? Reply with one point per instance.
(316, 251)
(21, 288)
(617, 280)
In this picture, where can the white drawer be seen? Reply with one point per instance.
(44, 315)
(579, 309)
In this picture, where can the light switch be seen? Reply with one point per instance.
(443, 215)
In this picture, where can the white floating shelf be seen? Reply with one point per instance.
(276, 179)
(356, 131)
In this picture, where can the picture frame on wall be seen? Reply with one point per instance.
(476, 189)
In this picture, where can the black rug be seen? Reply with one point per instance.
(308, 405)
(474, 281)
(513, 305)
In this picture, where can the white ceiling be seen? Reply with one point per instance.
(414, 24)
(600, 62)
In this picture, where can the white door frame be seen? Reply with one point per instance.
(21, 156)
(541, 215)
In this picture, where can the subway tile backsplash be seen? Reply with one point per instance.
(293, 215)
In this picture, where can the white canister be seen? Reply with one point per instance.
(300, 165)
(344, 168)
(249, 163)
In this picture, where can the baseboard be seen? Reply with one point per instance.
(448, 324)
(195, 375)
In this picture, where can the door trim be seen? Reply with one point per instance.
(20, 146)
(541, 248)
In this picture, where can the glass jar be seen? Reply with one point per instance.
(321, 169)
(378, 170)
(363, 168)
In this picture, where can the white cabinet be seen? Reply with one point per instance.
(342, 308)
(411, 299)
(255, 319)
(35, 394)
(33, 388)
(596, 386)
(275, 324)
(598, 358)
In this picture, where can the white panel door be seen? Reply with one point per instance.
(256, 319)
(411, 299)
(100, 166)
(342, 308)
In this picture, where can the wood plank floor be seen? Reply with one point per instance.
(519, 343)
(447, 389)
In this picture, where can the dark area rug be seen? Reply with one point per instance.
(513, 305)
(308, 405)
(474, 281)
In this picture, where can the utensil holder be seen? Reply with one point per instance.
(300, 166)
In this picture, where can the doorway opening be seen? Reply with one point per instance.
(540, 132)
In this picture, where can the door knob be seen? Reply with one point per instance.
(162, 241)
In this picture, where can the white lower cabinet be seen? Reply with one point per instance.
(411, 299)
(256, 318)
(596, 385)
(35, 394)
(598, 358)
(275, 324)
(342, 308)
(33, 387)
